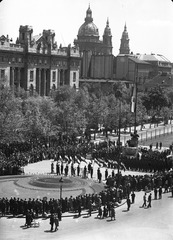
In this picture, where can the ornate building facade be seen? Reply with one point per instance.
(36, 64)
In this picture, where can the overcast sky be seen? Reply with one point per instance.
(149, 22)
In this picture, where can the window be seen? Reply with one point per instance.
(31, 76)
(53, 76)
(2, 73)
(74, 76)
(23, 36)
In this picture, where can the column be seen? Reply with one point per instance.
(39, 81)
(58, 78)
(18, 77)
(12, 78)
(63, 77)
(44, 80)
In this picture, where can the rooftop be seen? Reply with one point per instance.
(152, 57)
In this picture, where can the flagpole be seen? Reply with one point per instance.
(136, 91)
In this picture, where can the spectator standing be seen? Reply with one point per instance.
(79, 209)
(144, 200)
(78, 170)
(57, 169)
(106, 174)
(52, 167)
(149, 201)
(98, 173)
(172, 190)
(157, 145)
(105, 212)
(85, 171)
(89, 208)
(112, 212)
(128, 203)
(155, 193)
(91, 172)
(62, 168)
(56, 223)
(160, 145)
(99, 212)
(133, 197)
(52, 221)
(160, 192)
(100, 177)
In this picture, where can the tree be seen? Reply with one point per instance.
(11, 117)
(39, 118)
(154, 101)
(165, 113)
(71, 110)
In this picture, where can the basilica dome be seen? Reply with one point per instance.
(88, 29)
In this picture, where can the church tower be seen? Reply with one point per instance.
(124, 47)
(107, 39)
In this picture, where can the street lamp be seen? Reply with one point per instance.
(61, 181)
(119, 142)
(118, 95)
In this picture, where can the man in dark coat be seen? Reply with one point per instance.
(155, 193)
(52, 221)
(57, 169)
(78, 170)
(106, 174)
(160, 192)
(128, 204)
(133, 197)
(98, 173)
(91, 172)
(149, 201)
(145, 200)
(56, 222)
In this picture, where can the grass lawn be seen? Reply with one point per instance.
(166, 140)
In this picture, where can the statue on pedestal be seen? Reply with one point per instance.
(133, 142)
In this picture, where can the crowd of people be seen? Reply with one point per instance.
(118, 187)
(106, 154)
(14, 156)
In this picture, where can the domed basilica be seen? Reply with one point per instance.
(96, 54)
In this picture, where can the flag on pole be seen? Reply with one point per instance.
(133, 99)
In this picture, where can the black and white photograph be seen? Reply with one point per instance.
(86, 119)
